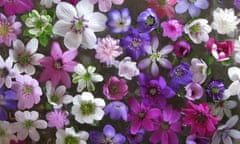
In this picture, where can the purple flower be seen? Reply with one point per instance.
(147, 21)
(181, 48)
(57, 118)
(135, 138)
(215, 90)
(237, 4)
(193, 6)
(134, 43)
(117, 110)
(8, 101)
(172, 29)
(154, 92)
(119, 21)
(194, 91)
(167, 126)
(115, 89)
(141, 116)
(194, 139)
(109, 135)
(180, 76)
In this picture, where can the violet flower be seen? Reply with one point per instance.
(172, 29)
(115, 89)
(194, 139)
(119, 21)
(147, 21)
(8, 101)
(141, 116)
(154, 92)
(167, 126)
(116, 110)
(180, 76)
(109, 135)
(134, 43)
(194, 7)
(215, 90)
(237, 4)
(135, 138)
(182, 48)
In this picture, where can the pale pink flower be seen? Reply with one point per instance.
(127, 68)
(105, 5)
(57, 118)
(199, 70)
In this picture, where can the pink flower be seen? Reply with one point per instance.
(220, 50)
(105, 5)
(199, 118)
(28, 91)
(107, 50)
(162, 7)
(57, 118)
(127, 68)
(58, 65)
(12, 7)
(115, 89)
(141, 116)
(194, 91)
(172, 29)
(9, 29)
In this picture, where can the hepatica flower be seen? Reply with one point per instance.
(25, 57)
(127, 68)
(7, 134)
(182, 48)
(119, 21)
(215, 90)
(147, 20)
(57, 118)
(9, 28)
(199, 69)
(237, 4)
(135, 138)
(58, 65)
(233, 88)
(70, 136)
(199, 118)
(194, 91)
(107, 49)
(105, 6)
(109, 136)
(195, 139)
(194, 7)
(12, 7)
(156, 56)
(86, 77)
(78, 24)
(116, 110)
(87, 109)
(172, 29)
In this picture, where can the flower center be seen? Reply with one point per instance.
(215, 90)
(24, 59)
(162, 2)
(58, 64)
(71, 140)
(150, 20)
(165, 126)
(201, 118)
(28, 90)
(87, 77)
(191, 1)
(179, 72)
(195, 28)
(79, 24)
(135, 43)
(113, 89)
(153, 91)
(108, 141)
(87, 108)
(4, 29)
(3, 72)
(28, 124)
(54, 98)
(141, 115)
(154, 56)
(40, 23)
(2, 132)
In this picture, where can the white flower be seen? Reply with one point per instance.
(198, 30)
(25, 57)
(77, 25)
(87, 109)
(234, 87)
(26, 124)
(225, 132)
(6, 133)
(69, 136)
(127, 68)
(7, 73)
(224, 20)
(48, 3)
(56, 96)
(86, 77)
(199, 70)
(237, 50)
(222, 108)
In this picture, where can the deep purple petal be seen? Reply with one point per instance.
(97, 137)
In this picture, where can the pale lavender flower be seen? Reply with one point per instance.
(127, 68)
(199, 70)
(6, 132)
(194, 91)
(116, 110)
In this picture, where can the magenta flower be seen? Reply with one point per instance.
(181, 48)
(105, 5)
(199, 118)
(58, 65)
(57, 118)
(12, 7)
(28, 91)
(9, 29)
(168, 124)
(141, 116)
(172, 29)
(115, 89)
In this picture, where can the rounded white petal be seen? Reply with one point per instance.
(96, 78)
(66, 11)
(81, 85)
(67, 99)
(234, 133)
(72, 40)
(234, 73)
(35, 58)
(34, 135)
(89, 39)
(40, 124)
(99, 102)
(61, 27)
(18, 46)
(30, 70)
(99, 113)
(234, 88)
(97, 22)
(84, 7)
(80, 69)
(32, 46)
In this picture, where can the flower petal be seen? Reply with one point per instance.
(89, 39)
(61, 27)
(109, 131)
(85, 8)
(72, 40)
(234, 133)
(32, 46)
(97, 22)
(65, 11)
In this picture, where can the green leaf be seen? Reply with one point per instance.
(24, 17)
(210, 60)
(227, 62)
(181, 92)
(43, 40)
(48, 106)
(209, 71)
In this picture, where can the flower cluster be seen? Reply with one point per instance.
(107, 72)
